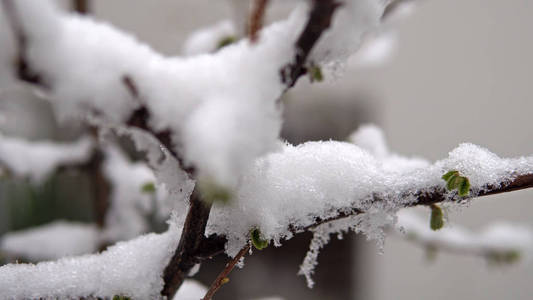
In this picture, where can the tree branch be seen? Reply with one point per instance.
(319, 21)
(434, 195)
(256, 19)
(222, 278)
(191, 241)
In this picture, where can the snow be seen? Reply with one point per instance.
(129, 207)
(207, 40)
(295, 186)
(37, 159)
(191, 290)
(241, 82)
(51, 241)
(132, 268)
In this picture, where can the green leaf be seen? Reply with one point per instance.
(148, 188)
(257, 241)
(436, 221)
(464, 187)
(225, 41)
(450, 174)
(453, 182)
(315, 73)
(212, 191)
(120, 297)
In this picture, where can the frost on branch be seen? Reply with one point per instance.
(37, 159)
(130, 268)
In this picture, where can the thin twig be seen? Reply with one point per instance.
(222, 278)
(319, 21)
(256, 19)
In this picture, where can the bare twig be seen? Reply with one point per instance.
(222, 278)
(256, 19)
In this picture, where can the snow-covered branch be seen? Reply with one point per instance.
(37, 159)
(498, 243)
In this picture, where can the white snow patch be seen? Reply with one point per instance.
(132, 268)
(51, 241)
(37, 159)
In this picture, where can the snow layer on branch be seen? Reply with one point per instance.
(130, 206)
(51, 241)
(496, 238)
(222, 107)
(351, 22)
(296, 186)
(37, 159)
(132, 268)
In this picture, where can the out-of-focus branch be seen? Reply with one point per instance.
(222, 278)
(500, 243)
(319, 21)
(81, 6)
(23, 69)
(257, 18)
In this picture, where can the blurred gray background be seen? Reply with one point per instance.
(461, 72)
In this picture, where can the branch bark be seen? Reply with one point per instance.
(222, 278)
(256, 19)
(319, 21)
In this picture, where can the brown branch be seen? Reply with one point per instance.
(434, 195)
(81, 6)
(256, 19)
(319, 21)
(193, 246)
(190, 243)
(222, 278)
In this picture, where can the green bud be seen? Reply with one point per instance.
(148, 188)
(212, 191)
(455, 181)
(315, 73)
(257, 241)
(437, 217)
(506, 257)
(464, 187)
(228, 40)
(449, 175)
